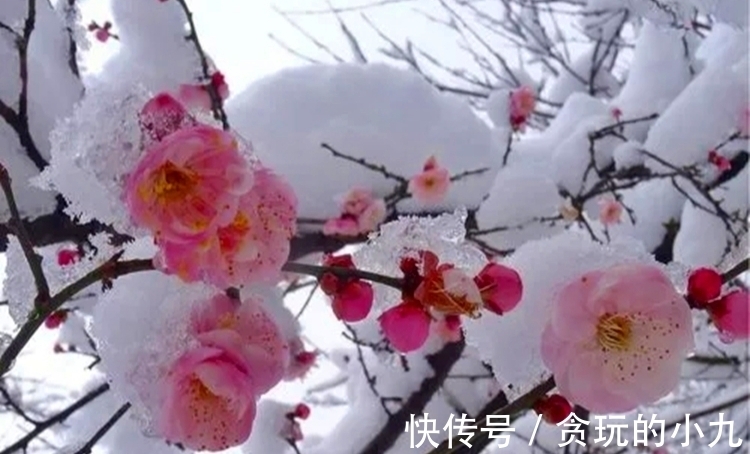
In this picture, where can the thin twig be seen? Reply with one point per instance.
(522, 403)
(34, 260)
(22, 444)
(736, 270)
(86, 449)
(217, 104)
(319, 271)
(362, 162)
(108, 271)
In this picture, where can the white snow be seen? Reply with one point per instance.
(384, 115)
(519, 197)
(703, 238)
(660, 70)
(153, 50)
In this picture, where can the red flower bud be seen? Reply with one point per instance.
(704, 285)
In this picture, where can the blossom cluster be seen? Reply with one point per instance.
(215, 217)
(432, 294)
(220, 218)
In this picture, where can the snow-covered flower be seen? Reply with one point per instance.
(432, 184)
(617, 338)
(210, 392)
(222, 318)
(210, 400)
(251, 248)
(448, 289)
(188, 184)
(439, 293)
(161, 116)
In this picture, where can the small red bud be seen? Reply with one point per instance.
(302, 411)
(704, 285)
(67, 257)
(55, 319)
(554, 409)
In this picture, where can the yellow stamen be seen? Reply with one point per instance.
(171, 183)
(614, 332)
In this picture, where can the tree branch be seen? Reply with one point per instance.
(441, 362)
(108, 271)
(23, 443)
(86, 449)
(217, 104)
(33, 259)
(319, 271)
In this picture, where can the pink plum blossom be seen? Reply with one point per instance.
(522, 102)
(501, 287)
(406, 326)
(731, 315)
(617, 337)
(432, 184)
(610, 211)
(251, 248)
(189, 184)
(210, 398)
(448, 289)
(361, 213)
(222, 321)
(356, 201)
(372, 216)
(161, 116)
(345, 225)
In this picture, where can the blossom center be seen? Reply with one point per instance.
(614, 332)
(231, 236)
(171, 183)
(200, 395)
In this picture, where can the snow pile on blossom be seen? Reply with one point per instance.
(94, 150)
(545, 266)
